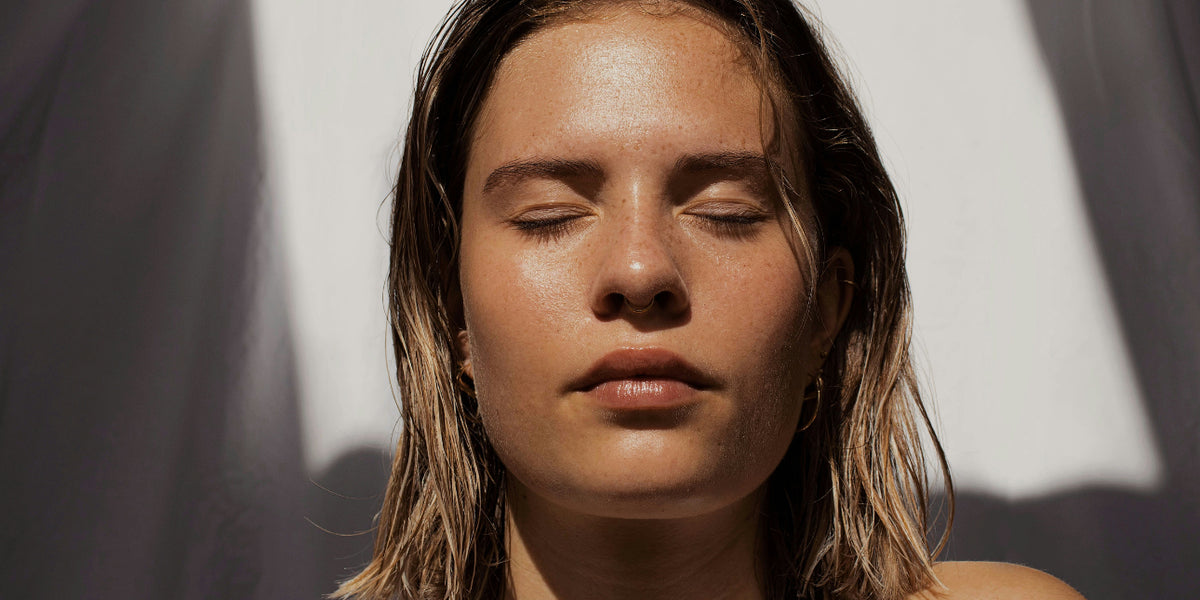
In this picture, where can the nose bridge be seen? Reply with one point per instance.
(640, 237)
(640, 265)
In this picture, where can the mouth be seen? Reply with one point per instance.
(643, 378)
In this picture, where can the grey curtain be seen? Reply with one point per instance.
(149, 441)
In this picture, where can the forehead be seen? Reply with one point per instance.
(627, 75)
(687, 31)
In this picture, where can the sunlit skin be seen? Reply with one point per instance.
(617, 164)
(662, 201)
(552, 261)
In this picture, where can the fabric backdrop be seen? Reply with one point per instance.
(194, 396)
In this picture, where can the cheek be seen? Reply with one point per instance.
(519, 305)
(764, 333)
(522, 308)
(514, 303)
(760, 305)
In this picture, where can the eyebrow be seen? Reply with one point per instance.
(747, 165)
(542, 168)
(751, 165)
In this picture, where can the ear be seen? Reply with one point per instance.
(835, 294)
(464, 352)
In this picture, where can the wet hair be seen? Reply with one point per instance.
(846, 513)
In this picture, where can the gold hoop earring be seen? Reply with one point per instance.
(815, 398)
(464, 382)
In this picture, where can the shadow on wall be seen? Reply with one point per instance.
(149, 443)
(343, 502)
(149, 420)
(1127, 76)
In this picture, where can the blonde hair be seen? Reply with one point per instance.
(846, 513)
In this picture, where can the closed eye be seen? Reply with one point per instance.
(547, 224)
(737, 221)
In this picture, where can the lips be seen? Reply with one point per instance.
(642, 378)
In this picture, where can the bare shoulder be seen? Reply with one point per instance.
(995, 581)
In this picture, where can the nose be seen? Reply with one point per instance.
(639, 275)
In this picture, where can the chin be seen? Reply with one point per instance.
(650, 474)
(646, 500)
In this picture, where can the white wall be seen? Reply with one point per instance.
(336, 80)
(1034, 387)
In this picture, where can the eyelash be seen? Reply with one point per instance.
(547, 229)
(739, 226)
(725, 225)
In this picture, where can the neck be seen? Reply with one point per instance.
(558, 554)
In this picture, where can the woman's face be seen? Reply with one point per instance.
(635, 312)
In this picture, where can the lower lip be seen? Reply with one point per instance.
(642, 394)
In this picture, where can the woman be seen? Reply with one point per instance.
(651, 320)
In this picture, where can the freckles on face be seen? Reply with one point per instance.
(616, 202)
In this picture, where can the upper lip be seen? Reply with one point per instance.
(643, 363)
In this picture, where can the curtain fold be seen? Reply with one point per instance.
(149, 434)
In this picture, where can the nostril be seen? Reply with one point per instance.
(633, 282)
(612, 305)
(670, 301)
